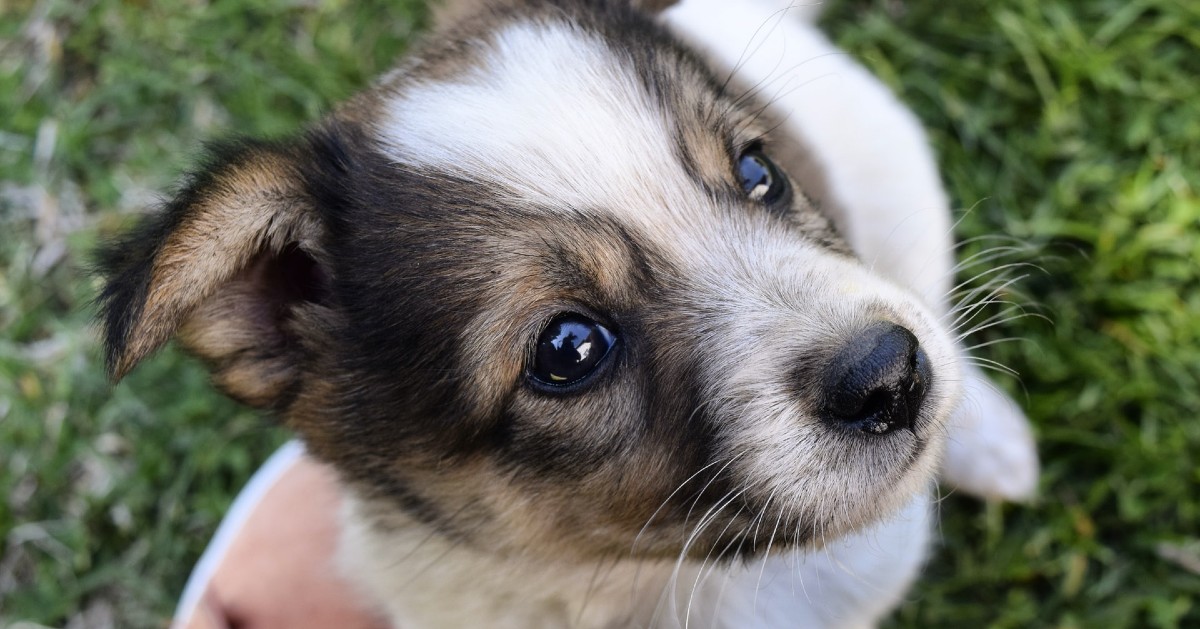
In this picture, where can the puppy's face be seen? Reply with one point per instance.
(544, 289)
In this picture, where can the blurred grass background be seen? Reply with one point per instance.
(1072, 126)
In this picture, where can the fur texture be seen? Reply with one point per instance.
(381, 284)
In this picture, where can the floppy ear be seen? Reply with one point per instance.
(231, 264)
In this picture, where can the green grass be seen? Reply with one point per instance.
(1072, 126)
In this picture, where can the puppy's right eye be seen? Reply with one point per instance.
(761, 179)
(569, 350)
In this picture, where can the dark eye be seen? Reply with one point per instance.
(761, 180)
(570, 349)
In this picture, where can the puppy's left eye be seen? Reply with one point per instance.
(761, 180)
(570, 349)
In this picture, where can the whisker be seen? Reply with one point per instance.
(701, 572)
(1001, 275)
(766, 557)
(744, 57)
(998, 321)
(987, 363)
(1010, 310)
(995, 292)
(1007, 339)
(587, 594)
(707, 519)
(661, 506)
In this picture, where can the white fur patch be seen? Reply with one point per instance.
(553, 116)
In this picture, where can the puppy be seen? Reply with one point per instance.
(598, 329)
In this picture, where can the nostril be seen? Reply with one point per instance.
(877, 382)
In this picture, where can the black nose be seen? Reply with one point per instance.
(877, 381)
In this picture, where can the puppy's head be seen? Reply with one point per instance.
(543, 288)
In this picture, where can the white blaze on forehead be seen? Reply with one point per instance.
(554, 115)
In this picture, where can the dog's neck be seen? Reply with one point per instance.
(420, 578)
(424, 579)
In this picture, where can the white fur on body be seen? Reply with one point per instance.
(428, 581)
(882, 174)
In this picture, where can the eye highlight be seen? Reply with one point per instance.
(760, 178)
(569, 350)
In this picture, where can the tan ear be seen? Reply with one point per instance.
(223, 263)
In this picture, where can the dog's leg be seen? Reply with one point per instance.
(991, 452)
(881, 174)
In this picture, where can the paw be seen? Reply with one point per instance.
(990, 452)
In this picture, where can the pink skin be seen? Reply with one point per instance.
(279, 572)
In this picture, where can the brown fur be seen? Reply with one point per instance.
(254, 207)
(387, 313)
